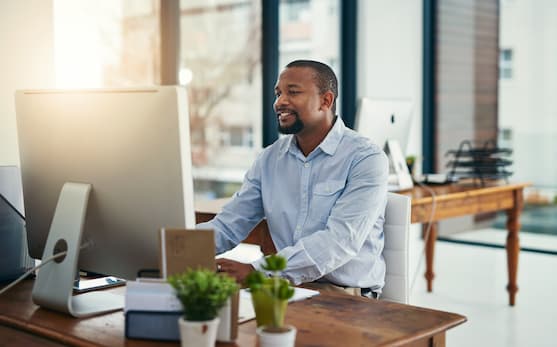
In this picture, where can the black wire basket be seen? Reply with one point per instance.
(481, 164)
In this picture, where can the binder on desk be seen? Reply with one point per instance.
(152, 325)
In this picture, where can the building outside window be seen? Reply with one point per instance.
(221, 66)
(310, 29)
(505, 64)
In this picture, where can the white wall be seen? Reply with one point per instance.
(390, 56)
(390, 66)
(27, 61)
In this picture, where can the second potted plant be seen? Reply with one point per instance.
(202, 294)
(270, 298)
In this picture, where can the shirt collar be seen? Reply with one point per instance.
(330, 144)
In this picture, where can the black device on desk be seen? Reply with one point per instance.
(437, 178)
(13, 241)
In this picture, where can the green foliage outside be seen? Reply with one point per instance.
(202, 292)
(270, 294)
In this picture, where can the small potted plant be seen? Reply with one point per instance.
(410, 162)
(270, 298)
(202, 294)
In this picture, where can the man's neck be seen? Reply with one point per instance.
(309, 141)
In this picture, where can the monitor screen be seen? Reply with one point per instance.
(385, 119)
(131, 145)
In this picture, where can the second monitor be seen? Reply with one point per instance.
(387, 123)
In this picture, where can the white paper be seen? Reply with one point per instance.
(151, 296)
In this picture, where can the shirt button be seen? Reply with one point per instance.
(298, 228)
(306, 165)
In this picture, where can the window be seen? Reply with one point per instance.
(111, 43)
(505, 63)
(97, 43)
(310, 29)
(527, 114)
(296, 10)
(221, 65)
(236, 136)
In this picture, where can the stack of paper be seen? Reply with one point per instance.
(151, 295)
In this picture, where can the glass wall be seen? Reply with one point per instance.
(528, 107)
(111, 43)
(310, 29)
(106, 43)
(221, 65)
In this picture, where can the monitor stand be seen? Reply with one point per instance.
(399, 175)
(54, 283)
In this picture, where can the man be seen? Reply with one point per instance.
(322, 189)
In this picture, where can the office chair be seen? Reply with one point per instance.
(395, 252)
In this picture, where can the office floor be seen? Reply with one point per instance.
(471, 280)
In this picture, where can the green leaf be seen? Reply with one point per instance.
(274, 263)
(202, 292)
(270, 294)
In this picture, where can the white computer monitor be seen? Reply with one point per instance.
(387, 123)
(385, 119)
(131, 147)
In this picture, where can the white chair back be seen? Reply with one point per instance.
(396, 230)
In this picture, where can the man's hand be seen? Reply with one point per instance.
(235, 269)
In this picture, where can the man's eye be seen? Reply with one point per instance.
(294, 92)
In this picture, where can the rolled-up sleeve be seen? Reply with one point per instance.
(238, 217)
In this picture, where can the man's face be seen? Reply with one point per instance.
(298, 101)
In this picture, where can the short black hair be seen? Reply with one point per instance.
(325, 78)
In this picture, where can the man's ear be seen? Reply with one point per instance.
(327, 100)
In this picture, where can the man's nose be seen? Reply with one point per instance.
(281, 100)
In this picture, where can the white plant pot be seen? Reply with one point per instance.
(198, 334)
(273, 339)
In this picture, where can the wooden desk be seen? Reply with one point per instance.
(453, 200)
(326, 320)
(457, 200)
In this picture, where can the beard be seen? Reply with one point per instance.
(295, 128)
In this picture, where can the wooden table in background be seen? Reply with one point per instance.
(454, 200)
(328, 319)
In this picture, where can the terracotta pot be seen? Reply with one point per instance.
(198, 334)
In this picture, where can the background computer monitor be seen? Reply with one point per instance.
(132, 145)
(387, 123)
(385, 119)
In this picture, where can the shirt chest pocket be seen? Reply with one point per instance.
(325, 194)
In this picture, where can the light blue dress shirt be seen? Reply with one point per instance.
(325, 212)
